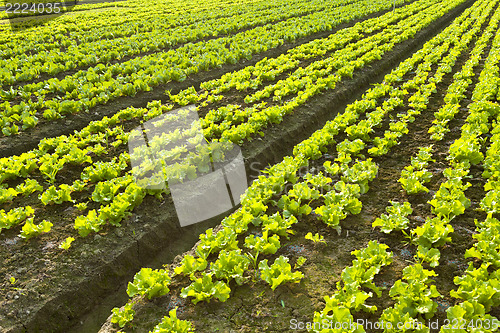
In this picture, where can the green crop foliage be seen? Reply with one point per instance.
(231, 266)
(279, 272)
(173, 324)
(204, 289)
(123, 316)
(190, 265)
(396, 219)
(316, 238)
(66, 244)
(149, 282)
(31, 230)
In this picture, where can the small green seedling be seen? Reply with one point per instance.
(300, 262)
(66, 244)
(317, 238)
(81, 206)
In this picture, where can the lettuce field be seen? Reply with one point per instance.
(250, 166)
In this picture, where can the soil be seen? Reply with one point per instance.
(54, 289)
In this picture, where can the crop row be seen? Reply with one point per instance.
(478, 288)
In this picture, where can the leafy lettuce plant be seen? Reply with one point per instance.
(317, 238)
(412, 180)
(414, 297)
(292, 204)
(429, 255)
(78, 156)
(433, 233)
(190, 265)
(81, 206)
(467, 148)
(486, 248)
(361, 130)
(302, 192)
(204, 289)
(478, 285)
(293, 207)
(122, 204)
(450, 200)
(20, 166)
(102, 170)
(396, 219)
(277, 224)
(172, 324)
(149, 282)
(31, 230)
(351, 147)
(319, 181)
(338, 203)
(239, 221)
(123, 316)
(14, 216)
(104, 192)
(57, 196)
(264, 245)
(474, 315)
(423, 157)
(50, 166)
(489, 203)
(332, 169)
(279, 272)
(368, 263)
(398, 315)
(66, 244)
(300, 262)
(28, 187)
(361, 173)
(350, 294)
(210, 242)
(231, 265)
(7, 194)
(90, 223)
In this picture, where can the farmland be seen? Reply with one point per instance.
(369, 134)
